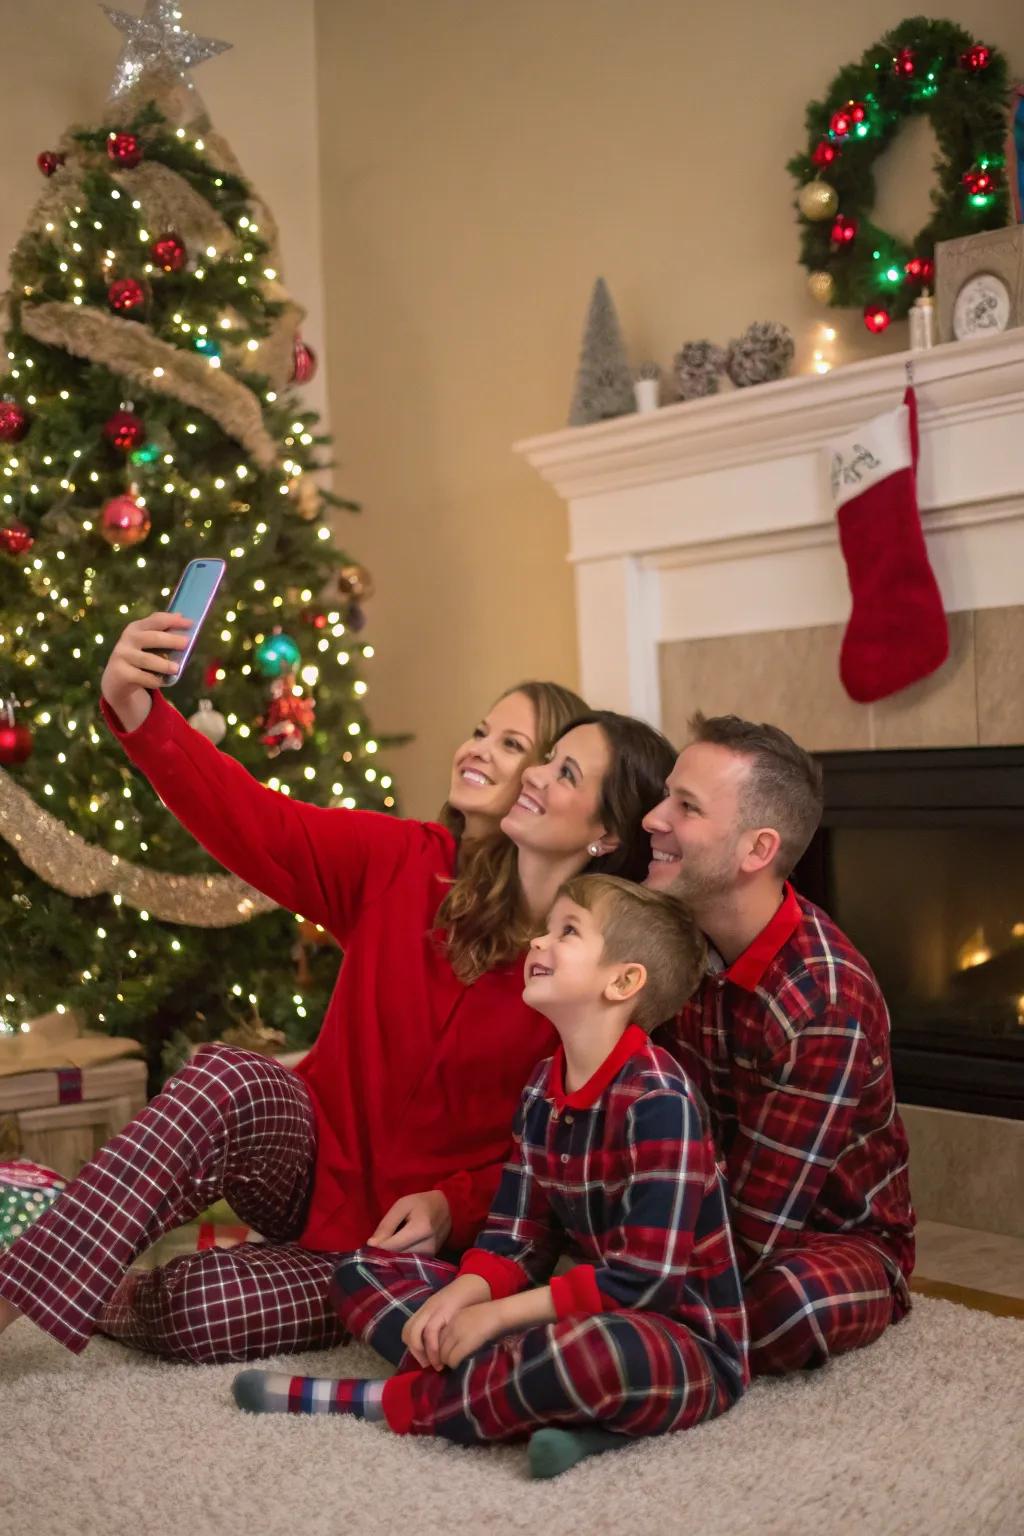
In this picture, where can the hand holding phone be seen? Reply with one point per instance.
(193, 599)
(152, 652)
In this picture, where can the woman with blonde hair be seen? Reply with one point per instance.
(394, 1128)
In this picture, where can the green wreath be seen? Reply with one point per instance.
(931, 68)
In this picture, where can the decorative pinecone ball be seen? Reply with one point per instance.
(763, 353)
(697, 366)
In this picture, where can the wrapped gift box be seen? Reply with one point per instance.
(63, 1094)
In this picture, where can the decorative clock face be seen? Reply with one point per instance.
(982, 305)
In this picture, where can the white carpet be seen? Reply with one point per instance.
(922, 1433)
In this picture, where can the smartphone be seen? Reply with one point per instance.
(193, 597)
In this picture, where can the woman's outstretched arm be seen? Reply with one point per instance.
(324, 863)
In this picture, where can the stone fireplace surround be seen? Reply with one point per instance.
(708, 574)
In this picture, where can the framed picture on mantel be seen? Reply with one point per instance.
(979, 284)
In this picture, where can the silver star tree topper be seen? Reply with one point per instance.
(157, 40)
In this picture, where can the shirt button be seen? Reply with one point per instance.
(568, 1119)
(876, 1061)
(565, 1157)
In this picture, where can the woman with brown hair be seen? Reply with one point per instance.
(394, 1127)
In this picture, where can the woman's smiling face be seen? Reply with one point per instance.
(558, 810)
(487, 769)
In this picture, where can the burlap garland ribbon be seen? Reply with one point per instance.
(78, 868)
(127, 348)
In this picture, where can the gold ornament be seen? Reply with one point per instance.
(817, 201)
(821, 286)
(78, 868)
(304, 496)
(355, 581)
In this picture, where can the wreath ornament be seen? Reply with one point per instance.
(920, 68)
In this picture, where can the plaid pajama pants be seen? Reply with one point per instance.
(230, 1124)
(637, 1373)
(830, 1295)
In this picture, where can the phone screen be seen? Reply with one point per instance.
(193, 598)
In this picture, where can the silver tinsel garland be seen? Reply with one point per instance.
(78, 868)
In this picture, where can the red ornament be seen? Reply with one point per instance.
(289, 717)
(825, 153)
(844, 230)
(212, 675)
(844, 120)
(904, 64)
(979, 181)
(124, 430)
(315, 617)
(124, 149)
(977, 58)
(15, 740)
(17, 538)
(49, 161)
(14, 422)
(877, 318)
(169, 252)
(921, 270)
(124, 522)
(303, 361)
(125, 295)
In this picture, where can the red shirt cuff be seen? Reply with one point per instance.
(504, 1276)
(578, 1291)
(157, 727)
(458, 1191)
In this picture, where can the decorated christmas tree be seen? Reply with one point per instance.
(148, 416)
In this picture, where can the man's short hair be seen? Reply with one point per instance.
(648, 928)
(783, 789)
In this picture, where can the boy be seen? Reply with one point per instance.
(613, 1165)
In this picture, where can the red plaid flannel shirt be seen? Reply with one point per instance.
(790, 1047)
(621, 1175)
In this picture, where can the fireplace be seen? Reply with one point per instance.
(920, 859)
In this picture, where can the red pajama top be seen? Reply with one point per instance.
(415, 1077)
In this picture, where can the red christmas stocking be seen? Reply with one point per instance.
(897, 631)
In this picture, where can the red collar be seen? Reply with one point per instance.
(747, 969)
(632, 1041)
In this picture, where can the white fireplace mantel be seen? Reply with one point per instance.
(714, 518)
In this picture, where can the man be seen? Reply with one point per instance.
(788, 1038)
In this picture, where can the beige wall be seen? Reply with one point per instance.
(482, 163)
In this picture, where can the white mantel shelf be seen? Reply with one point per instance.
(713, 516)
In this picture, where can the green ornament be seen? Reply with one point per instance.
(207, 346)
(276, 654)
(147, 454)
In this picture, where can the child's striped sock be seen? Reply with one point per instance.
(271, 1392)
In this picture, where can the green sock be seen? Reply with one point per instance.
(556, 1450)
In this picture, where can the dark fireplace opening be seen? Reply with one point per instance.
(920, 859)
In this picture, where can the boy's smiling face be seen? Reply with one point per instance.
(565, 965)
